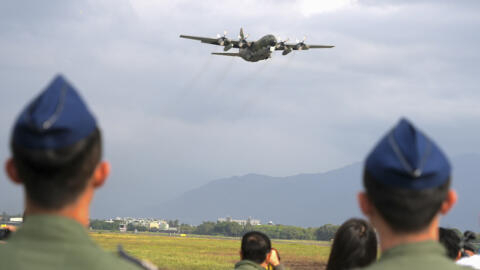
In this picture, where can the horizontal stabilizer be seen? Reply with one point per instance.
(226, 54)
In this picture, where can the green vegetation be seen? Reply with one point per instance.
(232, 229)
(324, 233)
(273, 231)
(202, 253)
(103, 225)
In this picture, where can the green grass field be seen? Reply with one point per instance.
(202, 253)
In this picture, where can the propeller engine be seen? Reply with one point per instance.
(301, 44)
(224, 41)
(242, 40)
(283, 46)
(286, 51)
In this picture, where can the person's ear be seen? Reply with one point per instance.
(101, 174)
(449, 202)
(364, 203)
(12, 171)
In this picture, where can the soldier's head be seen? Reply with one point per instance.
(407, 181)
(56, 148)
(255, 247)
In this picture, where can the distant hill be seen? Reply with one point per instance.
(308, 199)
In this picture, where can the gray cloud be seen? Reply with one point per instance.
(175, 117)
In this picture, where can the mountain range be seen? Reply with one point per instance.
(309, 200)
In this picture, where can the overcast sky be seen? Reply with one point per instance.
(175, 117)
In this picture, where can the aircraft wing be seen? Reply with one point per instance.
(202, 39)
(213, 41)
(295, 47)
(226, 54)
(320, 46)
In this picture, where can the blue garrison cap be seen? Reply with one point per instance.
(407, 158)
(57, 118)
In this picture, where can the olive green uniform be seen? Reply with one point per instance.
(421, 255)
(54, 242)
(249, 265)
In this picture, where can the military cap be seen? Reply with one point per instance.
(406, 158)
(56, 118)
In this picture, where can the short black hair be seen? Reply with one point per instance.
(54, 178)
(354, 246)
(255, 246)
(405, 210)
(467, 244)
(451, 241)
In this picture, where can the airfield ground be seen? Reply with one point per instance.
(208, 253)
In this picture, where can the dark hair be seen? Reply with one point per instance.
(255, 246)
(54, 178)
(405, 210)
(467, 243)
(354, 246)
(451, 241)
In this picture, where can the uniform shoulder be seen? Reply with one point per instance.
(138, 263)
(247, 265)
(79, 257)
(415, 264)
(108, 260)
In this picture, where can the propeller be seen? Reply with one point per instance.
(281, 43)
(223, 40)
(301, 44)
(242, 36)
(242, 40)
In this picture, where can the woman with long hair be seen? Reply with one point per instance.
(354, 245)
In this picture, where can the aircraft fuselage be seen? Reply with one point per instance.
(259, 50)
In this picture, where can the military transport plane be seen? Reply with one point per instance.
(254, 51)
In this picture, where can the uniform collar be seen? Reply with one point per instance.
(52, 228)
(248, 262)
(415, 249)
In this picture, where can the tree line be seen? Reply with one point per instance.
(323, 233)
(232, 229)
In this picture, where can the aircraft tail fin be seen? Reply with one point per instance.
(241, 33)
(226, 54)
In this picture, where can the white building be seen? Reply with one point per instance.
(163, 225)
(16, 219)
(243, 222)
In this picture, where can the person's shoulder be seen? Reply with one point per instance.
(123, 256)
(119, 260)
(107, 260)
(79, 257)
(405, 263)
(374, 266)
(8, 253)
(247, 265)
(3, 248)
